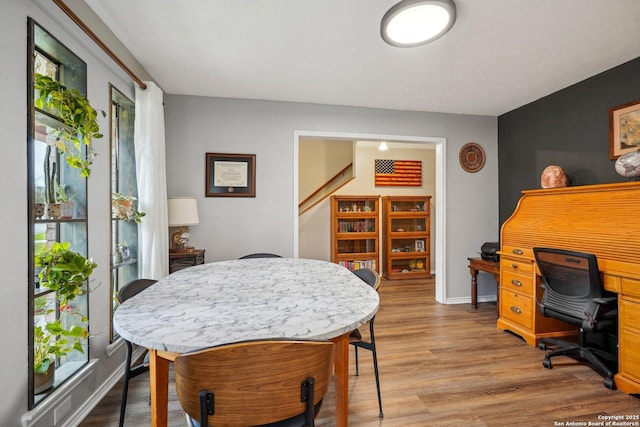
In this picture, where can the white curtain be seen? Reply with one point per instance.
(153, 237)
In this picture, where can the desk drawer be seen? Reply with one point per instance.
(630, 287)
(517, 308)
(518, 251)
(629, 360)
(611, 283)
(517, 282)
(629, 315)
(516, 265)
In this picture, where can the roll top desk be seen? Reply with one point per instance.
(599, 219)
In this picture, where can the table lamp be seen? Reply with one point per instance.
(183, 211)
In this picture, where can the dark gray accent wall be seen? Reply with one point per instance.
(569, 128)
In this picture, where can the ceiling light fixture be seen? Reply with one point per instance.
(416, 22)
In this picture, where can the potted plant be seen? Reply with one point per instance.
(43, 366)
(123, 207)
(51, 207)
(51, 341)
(77, 115)
(65, 200)
(65, 272)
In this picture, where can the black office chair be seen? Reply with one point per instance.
(573, 293)
(260, 255)
(127, 291)
(265, 382)
(372, 279)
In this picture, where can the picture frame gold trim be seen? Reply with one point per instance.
(624, 129)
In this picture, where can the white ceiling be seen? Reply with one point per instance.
(500, 54)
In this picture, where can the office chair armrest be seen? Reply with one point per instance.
(605, 300)
(598, 309)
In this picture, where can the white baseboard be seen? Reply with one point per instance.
(467, 300)
(43, 414)
(45, 409)
(104, 388)
(95, 398)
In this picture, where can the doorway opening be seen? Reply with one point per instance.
(433, 143)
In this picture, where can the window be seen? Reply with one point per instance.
(124, 229)
(58, 318)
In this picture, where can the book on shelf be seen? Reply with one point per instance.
(362, 226)
(358, 264)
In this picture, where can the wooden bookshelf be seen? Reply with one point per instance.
(406, 233)
(355, 231)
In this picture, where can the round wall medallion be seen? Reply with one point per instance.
(472, 157)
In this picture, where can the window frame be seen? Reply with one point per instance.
(74, 69)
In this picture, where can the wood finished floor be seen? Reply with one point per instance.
(440, 365)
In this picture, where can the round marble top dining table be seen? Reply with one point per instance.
(230, 301)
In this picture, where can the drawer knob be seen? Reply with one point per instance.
(517, 251)
(515, 282)
(516, 309)
(514, 266)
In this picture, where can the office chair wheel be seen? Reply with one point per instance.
(547, 363)
(542, 345)
(609, 383)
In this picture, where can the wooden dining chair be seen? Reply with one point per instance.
(255, 382)
(127, 291)
(372, 278)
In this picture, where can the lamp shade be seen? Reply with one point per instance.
(182, 211)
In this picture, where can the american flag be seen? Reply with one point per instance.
(407, 173)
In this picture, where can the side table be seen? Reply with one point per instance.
(181, 260)
(475, 266)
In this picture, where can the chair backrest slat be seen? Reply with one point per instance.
(133, 288)
(371, 277)
(260, 255)
(571, 280)
(254, 382)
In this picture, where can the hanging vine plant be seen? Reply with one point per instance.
(65, 272)
(78, 116)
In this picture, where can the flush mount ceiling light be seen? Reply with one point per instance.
(416, 22)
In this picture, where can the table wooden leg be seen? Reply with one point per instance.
(159, 388)
(341, 379)
(474, 287)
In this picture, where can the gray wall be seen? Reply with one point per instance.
(231, 227)
(569, 128)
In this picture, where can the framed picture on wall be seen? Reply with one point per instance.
(624, 129)
(230, 175)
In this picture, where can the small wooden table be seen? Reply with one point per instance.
(476, 265)
(181, 260)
